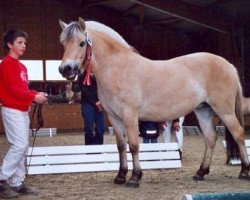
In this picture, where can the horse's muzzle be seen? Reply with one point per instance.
(69, 71)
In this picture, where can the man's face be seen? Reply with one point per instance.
(18, 47)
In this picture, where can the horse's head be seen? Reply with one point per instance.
(75, 41)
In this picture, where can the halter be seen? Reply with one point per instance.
(86, 63)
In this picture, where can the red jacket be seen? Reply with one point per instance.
(14, 90)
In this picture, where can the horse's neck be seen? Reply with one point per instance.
(110, 58)
(105, 52)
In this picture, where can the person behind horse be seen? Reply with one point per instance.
(149, 131)
(92, 112)
(174, 126)
(69, 93)
(16, 98)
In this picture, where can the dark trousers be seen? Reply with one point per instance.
(151, 140)
(93, 118)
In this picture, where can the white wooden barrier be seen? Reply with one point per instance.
(194, 130)
(45, 132)
(191, 130)
(92, 158)
(220, 129)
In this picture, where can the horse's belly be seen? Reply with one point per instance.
(163, 115)
(168, 110)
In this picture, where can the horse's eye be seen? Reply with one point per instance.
(82, 44)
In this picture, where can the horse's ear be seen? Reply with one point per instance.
(62, 24)
(81, 23)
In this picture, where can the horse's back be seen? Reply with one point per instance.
(202, 77)
(208, 69)
(205, 60)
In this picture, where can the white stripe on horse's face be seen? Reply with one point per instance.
(69, 62)
(72, 62)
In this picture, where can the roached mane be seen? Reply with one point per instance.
(73, 30)
(107, 30)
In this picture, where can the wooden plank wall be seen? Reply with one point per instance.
(39, 18)
(64, 117)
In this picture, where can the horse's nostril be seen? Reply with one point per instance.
(65, 70)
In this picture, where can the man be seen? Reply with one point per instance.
(176, 127)
(16, 98)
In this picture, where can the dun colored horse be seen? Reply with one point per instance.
(132, 87)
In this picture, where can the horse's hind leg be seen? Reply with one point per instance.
(205, 118)
(119, 130)
(237, 131)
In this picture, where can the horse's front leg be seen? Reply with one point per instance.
(119, 130)
(133, 139)
(123, 169)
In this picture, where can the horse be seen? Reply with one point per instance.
(132, 87)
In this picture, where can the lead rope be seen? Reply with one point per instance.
(40, 123)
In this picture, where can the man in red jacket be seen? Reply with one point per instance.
(16, 98)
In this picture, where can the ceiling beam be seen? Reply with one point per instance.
(190, 13)
(220, 2)
(131, 9)
(92, 2)
(171, 20)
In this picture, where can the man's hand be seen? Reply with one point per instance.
(176, 126)
(163, 125)
(99, 106)
(41, 97)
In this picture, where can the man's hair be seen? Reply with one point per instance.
(11, 35)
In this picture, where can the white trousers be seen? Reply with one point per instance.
(16, 127)
(178, 134)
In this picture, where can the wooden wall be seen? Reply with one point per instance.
(64, 117)
(39, 18)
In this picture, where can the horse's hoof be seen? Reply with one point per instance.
(119, 180)
(244, 177)
(198, 178)
(132, 184)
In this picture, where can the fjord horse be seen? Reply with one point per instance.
(132, 87)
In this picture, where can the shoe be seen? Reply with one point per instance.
(6, 191)
(25, 190)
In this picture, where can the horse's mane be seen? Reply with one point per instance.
(73, 30)
(107, 30)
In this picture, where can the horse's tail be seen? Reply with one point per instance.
(232, 146)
